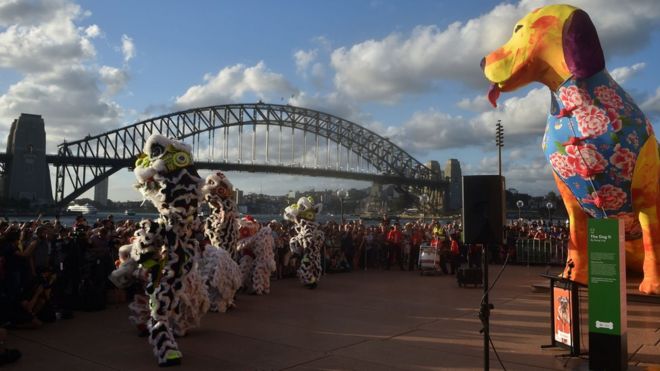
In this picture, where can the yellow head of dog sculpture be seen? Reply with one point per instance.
(548, 46)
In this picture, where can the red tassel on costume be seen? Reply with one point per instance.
(566, 112)
(574, 141)
(598, 202)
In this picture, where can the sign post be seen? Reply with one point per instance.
(608, 342)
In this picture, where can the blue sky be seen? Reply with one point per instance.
(406, 69)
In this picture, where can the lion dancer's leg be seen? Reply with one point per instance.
(139, 313)
(164, 308)
(305, 273)
(146, 251)
(577, 262)
(646, 201)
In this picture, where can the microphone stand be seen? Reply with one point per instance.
(484, 312)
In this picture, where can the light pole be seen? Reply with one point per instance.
(550, 206)
(423, 201)
(520, 205)
(342, 194)
(499, 140)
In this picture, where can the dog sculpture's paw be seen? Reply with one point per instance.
(650, 286)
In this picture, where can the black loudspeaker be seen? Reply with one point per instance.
(483, 209)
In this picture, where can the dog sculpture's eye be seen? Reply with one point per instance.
(518, 27)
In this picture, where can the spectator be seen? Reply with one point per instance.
(394, 241)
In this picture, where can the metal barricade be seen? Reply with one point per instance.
(547, 252)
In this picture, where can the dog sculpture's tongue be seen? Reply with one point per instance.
(493, 94)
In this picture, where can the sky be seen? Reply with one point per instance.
(408, 70)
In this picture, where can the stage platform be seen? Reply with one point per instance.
(374, 320)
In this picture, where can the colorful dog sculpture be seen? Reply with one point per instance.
(601, 146)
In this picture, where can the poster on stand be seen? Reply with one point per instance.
(563, 316)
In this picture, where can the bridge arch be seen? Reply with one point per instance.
(83, 163)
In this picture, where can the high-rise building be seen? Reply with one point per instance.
(453, 174)
(101, 192)
(27, 176)
(436, 197)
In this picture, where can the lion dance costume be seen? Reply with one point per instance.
(257, 262)
(165, 249)
(219, 269)
(308, 240)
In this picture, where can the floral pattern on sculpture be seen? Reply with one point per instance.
(585, 160)
(572, 96)
(615, 119)
(624, 160)
(560, 164)
(592, 121)
(592, 143)
(608, 197)
(608, 97)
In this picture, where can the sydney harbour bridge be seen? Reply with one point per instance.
(256, 137)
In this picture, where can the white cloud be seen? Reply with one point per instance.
(69, 100)
(523, 118)
(477, 104)
(386, 69)
(333, 103)
(54, 57)
(33, 12)
(29, 47)
(323, 42)
(92, 31)
(234, 83)
(529, 174)
(652, 105)
(303, 59)
(623, 26)
(114, 78)
(318, 75)
(623, 74)
(127, 48)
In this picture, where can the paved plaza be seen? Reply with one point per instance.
(374, 320)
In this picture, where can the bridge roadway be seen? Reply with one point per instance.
(374, 320)
(248, 167)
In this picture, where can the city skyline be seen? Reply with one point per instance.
(408, 71)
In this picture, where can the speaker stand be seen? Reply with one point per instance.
(484, 311)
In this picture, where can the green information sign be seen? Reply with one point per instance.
(608, 339)
(607, 290)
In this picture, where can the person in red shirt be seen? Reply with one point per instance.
(416, 240)
(394, 239)
(455, 254)
(540, 234)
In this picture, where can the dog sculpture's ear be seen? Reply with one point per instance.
(582, 51)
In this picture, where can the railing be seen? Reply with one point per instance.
(551, 251)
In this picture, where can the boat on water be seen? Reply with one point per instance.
(85, 209)
(129, 213)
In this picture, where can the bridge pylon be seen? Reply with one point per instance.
(26, 174)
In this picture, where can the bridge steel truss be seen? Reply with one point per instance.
(84, 163)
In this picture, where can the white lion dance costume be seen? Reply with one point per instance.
(257, 263)
(220, 271)
(308, 241)
(165, 248)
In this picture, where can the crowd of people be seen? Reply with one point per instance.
(48, 269)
